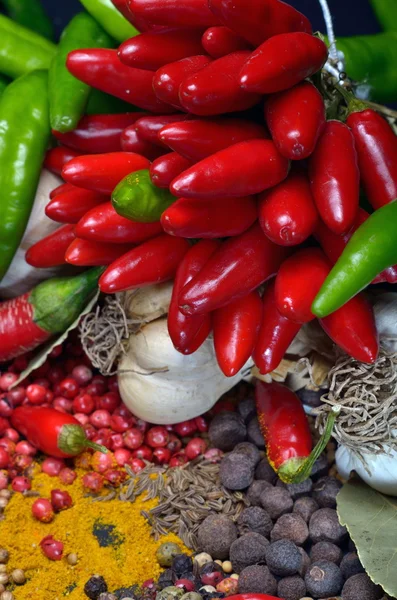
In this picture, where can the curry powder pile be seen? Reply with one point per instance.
(110, 538)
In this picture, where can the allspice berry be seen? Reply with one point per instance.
(360, 587)
(216, 534)
(4, 555)
(18, 576)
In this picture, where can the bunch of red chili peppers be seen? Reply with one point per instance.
(234, 166)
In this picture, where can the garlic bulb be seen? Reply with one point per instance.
(149, 303)
(21, 277)
(382, 469)
(160, 385)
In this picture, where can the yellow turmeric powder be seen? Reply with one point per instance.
(110, 538)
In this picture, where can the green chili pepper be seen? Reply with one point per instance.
(4, 82)
(371, 60)
(68, 95)
(137, 199)
(24, 135)
(30, 14)
(371, 250)
(386, 13)
(100, 103)
(22, 50)
(105, 12)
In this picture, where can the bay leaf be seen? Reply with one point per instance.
(371, 520)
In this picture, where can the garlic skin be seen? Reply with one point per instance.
(165, 387)
(149, 303)
(382, 467)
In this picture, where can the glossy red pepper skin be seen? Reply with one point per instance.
(376, 145)
(139, 23)
(102, 172)
(262, 20)
(173, 13)
(122, 7)
(296, 118)
(168, 79)
(56, 158)
(84, 253)
(152, 262)
(252, 596)
(298, 282)
(97, 134)
(131, 141)
(333, 245)
(154, 50)
(287, 212)
(166, 168)
(221, 41)
(53, 432)
(275, 335)
(60, 189)
(188, 333)
(103, 224)
(50, 251)
(240, 265)
(196, 139)
(236, 327)
(71, 205)
(216, 89)
(283, 61)
(335, 178)
(352, 327)
(209, 218)
(283, 424)
(243, 169)
(149, 127)
(102, 69)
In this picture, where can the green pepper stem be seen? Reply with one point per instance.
(97, 447)
(353, 103)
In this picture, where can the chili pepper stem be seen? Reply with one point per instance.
(72, 440)
(297, 470)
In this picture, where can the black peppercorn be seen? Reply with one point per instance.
(95, 586)
(181, 563)
(166, 579)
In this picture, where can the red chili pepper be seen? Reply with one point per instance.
(287, 212)
(335, 178)
(85, 253)
(139, 23)
(376, 145)
(296, 118)
(352, 327)
(102, 172)
(168, 79)
(50, 251)
(101, 68)
(240, 265)
(243, 169)
(221, 41)
(285, 427)
(236, 327)
(103, 224)
(190, 13)
(131, 141)
(196, 139)
(56, 158)
(51, 431)
(97, 134)
(148, 128)
(275, 335)
(333, 245)
(122, 6)
(216, 89)
(188, 333)
(60, 189)
(209, 218)
(152, 262)
(71, 205)
(298, 282)
(283, 61)
(166, 168)
(262, 20)
(154, 50)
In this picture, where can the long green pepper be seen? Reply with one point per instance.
(386, 13)
(4, 82)
(22, 50)
(24, 136)
(370, 250)
(30, 14)
(105, 12)
(68, 95)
